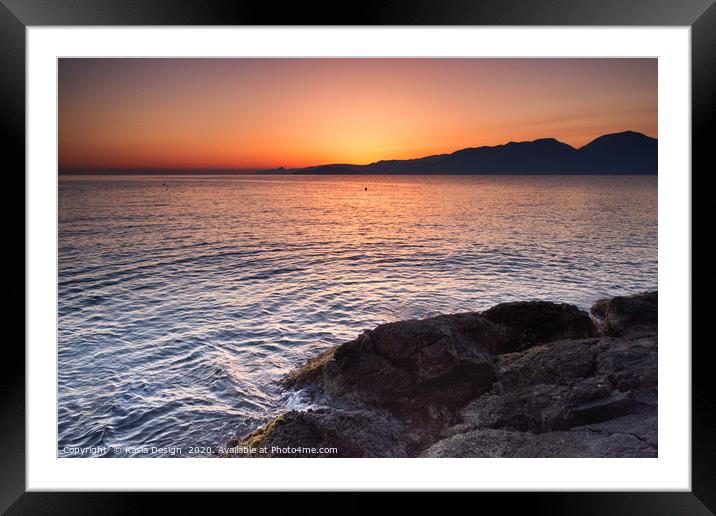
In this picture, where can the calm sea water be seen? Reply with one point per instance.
(184, 300)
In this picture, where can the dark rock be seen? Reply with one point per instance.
(527, 324)
(583, 444)
(441, 362)
(311, 372)
(532, 379)
(537, 408)
(410, 365)
(354, 433)
(642, 425)
(564, 444)
(630, 363)
(615, 405)
(568, 383)
(483, 443)
(543, 408)
(629, 314)
(558, 363)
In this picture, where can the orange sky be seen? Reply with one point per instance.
(261, 113)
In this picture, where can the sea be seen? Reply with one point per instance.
(183, 300)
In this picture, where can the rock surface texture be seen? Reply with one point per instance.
(525, 379)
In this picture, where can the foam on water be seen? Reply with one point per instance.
(184, 300)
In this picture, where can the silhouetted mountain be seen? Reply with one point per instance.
(628, 152)
(621, 153)
(545, 155)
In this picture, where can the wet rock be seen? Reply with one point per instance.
(326, 433)
(439, 362)
(311, 372)
(530, 379)
(628, 314)
(410, 365)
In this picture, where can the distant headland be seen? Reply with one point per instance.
(627, 152)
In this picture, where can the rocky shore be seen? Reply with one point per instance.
(524, 379)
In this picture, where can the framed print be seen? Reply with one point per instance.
(423, 248)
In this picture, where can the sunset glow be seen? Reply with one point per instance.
(262, 113)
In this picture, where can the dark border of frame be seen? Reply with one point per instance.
(700, 15)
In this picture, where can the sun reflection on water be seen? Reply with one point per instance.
(184, 300)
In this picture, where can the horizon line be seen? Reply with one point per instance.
(239, 170)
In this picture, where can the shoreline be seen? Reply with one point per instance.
(521, 379)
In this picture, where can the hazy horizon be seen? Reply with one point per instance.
(197, 170)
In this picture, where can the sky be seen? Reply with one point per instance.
(264, 113)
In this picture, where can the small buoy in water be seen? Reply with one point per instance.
(164, 184)
(366, 188)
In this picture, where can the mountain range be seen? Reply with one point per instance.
(627, 152)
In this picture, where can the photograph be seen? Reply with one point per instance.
(357, 257)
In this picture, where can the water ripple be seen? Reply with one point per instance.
(181, 306)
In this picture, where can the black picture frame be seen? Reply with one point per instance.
(17, 15)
